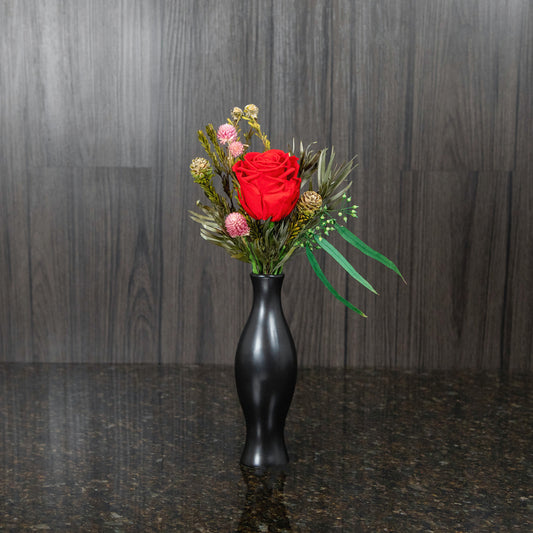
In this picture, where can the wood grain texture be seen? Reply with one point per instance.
(95, 265)
(99, 260)
(524, 98)
(381, 49)
(15, 289)
(372, 341)
(451, 315)
(203, 298)
(464, 86)
(15, 81)
(517, 332)
(84, 69)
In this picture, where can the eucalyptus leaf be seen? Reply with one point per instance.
(367, 250)
(318, 271)
(343, 262)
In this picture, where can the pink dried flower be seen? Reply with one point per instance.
(236, 148)
(236, 225)
(226, 134)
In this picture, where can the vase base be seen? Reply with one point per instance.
(259, 457)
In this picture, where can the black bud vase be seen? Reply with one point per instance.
(265, 374)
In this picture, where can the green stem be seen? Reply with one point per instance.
(251, 255)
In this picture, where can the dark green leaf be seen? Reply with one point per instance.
(363, 247)
(343, 262)
(318, 271)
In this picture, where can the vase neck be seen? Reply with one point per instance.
(267, 288)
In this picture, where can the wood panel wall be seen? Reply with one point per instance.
(100, 102)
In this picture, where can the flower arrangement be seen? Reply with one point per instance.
(267, 206)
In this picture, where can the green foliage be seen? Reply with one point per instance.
(318, 271)
(343, 262)
(269, 245)
(206, 183)
(211, 222)
(363, 247)
(308, 160)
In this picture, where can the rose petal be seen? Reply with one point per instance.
(269, 183)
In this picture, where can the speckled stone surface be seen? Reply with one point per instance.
(148, 448)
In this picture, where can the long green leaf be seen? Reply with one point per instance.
(320, 170)
(337, 195)
(344, 263)
(363, 247)
(318, 271)
(330, 162)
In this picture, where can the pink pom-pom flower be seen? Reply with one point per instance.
(236, 225)
(236, 148)
(226, 134)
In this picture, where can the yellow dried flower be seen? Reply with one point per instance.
(200, 167)
(236, 114)
(251, 111)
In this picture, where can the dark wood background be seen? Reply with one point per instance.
(100, 101)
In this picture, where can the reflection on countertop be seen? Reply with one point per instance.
(156, 448)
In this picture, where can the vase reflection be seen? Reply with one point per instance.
(264, 507)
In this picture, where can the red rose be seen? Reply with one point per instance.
(269, 184)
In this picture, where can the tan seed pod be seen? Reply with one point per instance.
(309, 202)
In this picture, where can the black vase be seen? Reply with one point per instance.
(265, 374)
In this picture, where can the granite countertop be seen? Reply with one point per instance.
(156, 448)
